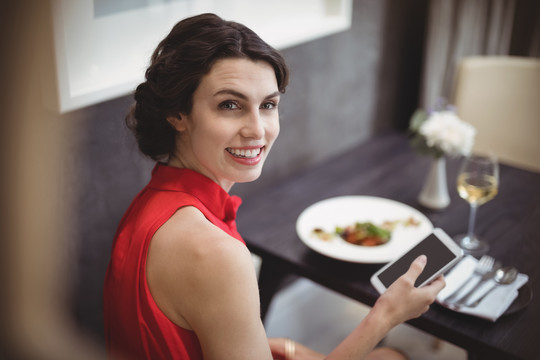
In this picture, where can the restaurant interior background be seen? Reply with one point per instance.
(67, 178)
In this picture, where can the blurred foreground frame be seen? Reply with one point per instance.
(36, 321)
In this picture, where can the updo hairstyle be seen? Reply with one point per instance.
(176, 69)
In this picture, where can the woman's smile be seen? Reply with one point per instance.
(249, 152)
(246, 155)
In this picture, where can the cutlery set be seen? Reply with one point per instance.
(487, 269)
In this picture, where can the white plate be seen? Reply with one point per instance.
(346, 210)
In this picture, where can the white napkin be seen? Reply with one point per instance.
(494, 304)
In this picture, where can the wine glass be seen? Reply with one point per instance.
(477, 183)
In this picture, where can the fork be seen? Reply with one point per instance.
(483, 267)
(486, 277)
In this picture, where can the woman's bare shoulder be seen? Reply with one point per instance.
(189, 236)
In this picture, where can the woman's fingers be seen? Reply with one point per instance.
(416, 268)
(436, 285)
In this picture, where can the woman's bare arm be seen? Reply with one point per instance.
(204, 280)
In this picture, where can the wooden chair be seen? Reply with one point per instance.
(500, 96)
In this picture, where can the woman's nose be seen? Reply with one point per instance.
(253, 126)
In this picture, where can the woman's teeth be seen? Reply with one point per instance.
(245, 153)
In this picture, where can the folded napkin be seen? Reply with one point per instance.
(493, 305)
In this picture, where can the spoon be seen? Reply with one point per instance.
(503, 276)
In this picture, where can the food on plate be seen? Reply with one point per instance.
(365, 233)
(391, 225)
(323, 235)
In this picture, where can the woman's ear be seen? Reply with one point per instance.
(178, 122)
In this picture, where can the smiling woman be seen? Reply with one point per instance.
(181, 283)
(232, 125)
(208, 111)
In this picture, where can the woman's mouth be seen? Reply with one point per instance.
(244, 153)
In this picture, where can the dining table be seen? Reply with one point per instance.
(386, 166)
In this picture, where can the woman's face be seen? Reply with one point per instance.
(233, 123)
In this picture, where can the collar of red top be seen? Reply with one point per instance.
(217, 200)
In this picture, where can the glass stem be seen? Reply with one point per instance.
(472, 219)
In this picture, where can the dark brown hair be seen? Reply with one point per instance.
(176, 69)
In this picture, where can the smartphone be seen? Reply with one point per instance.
(441, 251)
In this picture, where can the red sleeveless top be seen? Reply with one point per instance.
(135, 328)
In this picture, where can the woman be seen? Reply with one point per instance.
(180, 283)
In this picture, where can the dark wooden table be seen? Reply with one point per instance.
(386, 166)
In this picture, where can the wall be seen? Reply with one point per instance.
(333, 102)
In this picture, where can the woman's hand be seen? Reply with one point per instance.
(402, 301)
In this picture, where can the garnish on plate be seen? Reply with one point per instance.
(365, 233)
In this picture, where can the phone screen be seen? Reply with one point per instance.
(438, 255)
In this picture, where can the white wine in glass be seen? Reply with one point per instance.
(477, 183)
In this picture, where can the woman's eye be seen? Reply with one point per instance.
(269, 105)
(228, 105)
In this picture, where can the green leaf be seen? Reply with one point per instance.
(418, 142)
(374, 230)
(417, 119)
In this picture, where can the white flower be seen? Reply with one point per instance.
(450, 134)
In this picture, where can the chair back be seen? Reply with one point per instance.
(500, 96)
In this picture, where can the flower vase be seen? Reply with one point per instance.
(434, 194)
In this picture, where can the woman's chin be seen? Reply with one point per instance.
(248, 176)
(248, 179)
